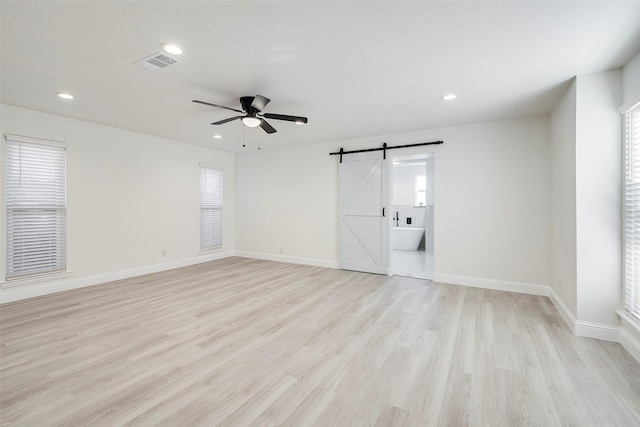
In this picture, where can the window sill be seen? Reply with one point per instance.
(207, 251)
(40, 278)
(629, 321)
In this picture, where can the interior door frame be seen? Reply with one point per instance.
(406, 153)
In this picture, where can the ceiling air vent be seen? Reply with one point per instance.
(156, 61)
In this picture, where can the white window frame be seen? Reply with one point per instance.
(631, 230)
(211, 204)
(36, 207)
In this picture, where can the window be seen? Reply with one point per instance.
(36, 206)
(210, 207)
(632, 211)
(421, 190)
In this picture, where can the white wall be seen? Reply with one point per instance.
(631, 81)
(562, 196)
(430, 180)
(287, 204)
(404, 181)
(491, 197)
(129, 196)
(630, 328)
(599, 196)
(586, 197)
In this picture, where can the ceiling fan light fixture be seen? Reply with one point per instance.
(251, 121)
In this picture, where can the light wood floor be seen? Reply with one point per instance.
(241, 342)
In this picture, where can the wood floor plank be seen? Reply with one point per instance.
(240, 342)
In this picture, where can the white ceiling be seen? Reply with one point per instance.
(355, 69)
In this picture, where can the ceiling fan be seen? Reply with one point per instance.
(252, 107)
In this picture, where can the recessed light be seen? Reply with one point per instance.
(448, 97)
(64, 95)
(171, 48)
(217, 136)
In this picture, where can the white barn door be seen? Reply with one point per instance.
(362, 211)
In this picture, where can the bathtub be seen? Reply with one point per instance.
(407, 238)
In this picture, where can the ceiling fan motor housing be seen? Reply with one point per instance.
(246, 102)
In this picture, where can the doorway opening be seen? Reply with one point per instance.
(412, 216)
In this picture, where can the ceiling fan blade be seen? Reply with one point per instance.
(230, 119)
(259, 102)
(219, 106)
(296, 119)
(267, 127)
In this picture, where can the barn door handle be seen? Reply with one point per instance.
(382, 212)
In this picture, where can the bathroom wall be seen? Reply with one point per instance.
(429, 228)
(431, 175)
(404, 177)
(404, 198)
(430, 208)
(417, 215)
(404, 183)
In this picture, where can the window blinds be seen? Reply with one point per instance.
(210, 207)
(632, 211)
(36, 206)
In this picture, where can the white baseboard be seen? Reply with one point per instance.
(497, 285)
(290, 259)
(630, 334)
(625, 335)
(562, 308)
(583, 328)
(598, 331)
(630, 342)
(67, 282)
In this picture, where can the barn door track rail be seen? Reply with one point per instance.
(384, 149)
